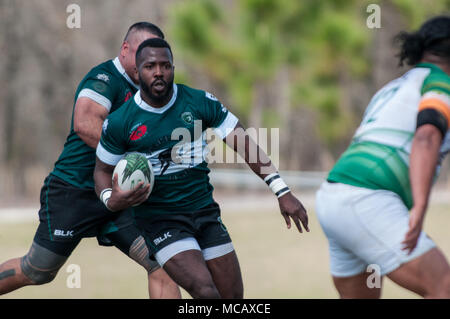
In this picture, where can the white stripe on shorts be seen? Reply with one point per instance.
(190, 243)
(174, 248)
(217, 251)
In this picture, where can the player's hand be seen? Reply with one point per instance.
(120, 199)
(415, 228)
(291, 207)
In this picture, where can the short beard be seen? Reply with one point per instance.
(158, 99)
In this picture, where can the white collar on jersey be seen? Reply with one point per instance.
(121, 70)
(147, 107)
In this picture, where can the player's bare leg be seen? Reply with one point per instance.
(188, 269)
(427, 275)
(12, 277)
(227, 277)
(39, 266)
(161, 286)
(355, 287)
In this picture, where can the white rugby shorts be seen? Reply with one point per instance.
(365, 227)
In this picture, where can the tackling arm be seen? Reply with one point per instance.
(88, 120)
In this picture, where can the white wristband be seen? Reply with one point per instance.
(105, 195)
(276, 184)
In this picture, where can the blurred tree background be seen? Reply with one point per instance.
(308, 67)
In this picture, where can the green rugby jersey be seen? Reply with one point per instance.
(173, 138)
(108, 85)
(378, 157)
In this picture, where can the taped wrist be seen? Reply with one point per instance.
(276, 184)
(433, 117)
(105, 195)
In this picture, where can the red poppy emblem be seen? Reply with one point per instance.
(138, 133)
(127, 97)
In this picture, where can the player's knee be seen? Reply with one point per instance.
(159, 276)
(443, 289)
(238, 291)
(139, 253)
(37, 276)
(205, 290)
(235, 294)
(40, 265)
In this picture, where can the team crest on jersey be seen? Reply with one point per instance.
(187, 117)
(100, 87)
(137, 132)
(103, 77)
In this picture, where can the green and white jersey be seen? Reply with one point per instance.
(173, 138)
(378, 157)
(108, 85)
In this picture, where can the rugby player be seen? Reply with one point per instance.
(388, 170)
(181, 220)
(70, 209)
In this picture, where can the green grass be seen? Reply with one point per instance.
(275, 262)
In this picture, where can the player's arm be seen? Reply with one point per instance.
(258, 161)
(88, 119)
(92, 106)
(228, 128)
(432, 124)
(109, 192)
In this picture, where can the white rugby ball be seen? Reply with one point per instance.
(132, 169)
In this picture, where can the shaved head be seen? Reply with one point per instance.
(144, 26)
(136, 34)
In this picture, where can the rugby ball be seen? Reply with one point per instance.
(132, 169)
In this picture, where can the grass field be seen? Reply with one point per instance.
(275, 262)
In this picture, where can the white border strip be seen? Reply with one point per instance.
(227, 126)
(96, 97)
(107, 157)
(174, 248)
(122, 71)
(217, 251)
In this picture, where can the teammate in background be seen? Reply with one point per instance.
(387, 170)
(181, 220)
(70, 209)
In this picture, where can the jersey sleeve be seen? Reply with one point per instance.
(99, 87)
(436, 94)
(218, 117)
(113, 141)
